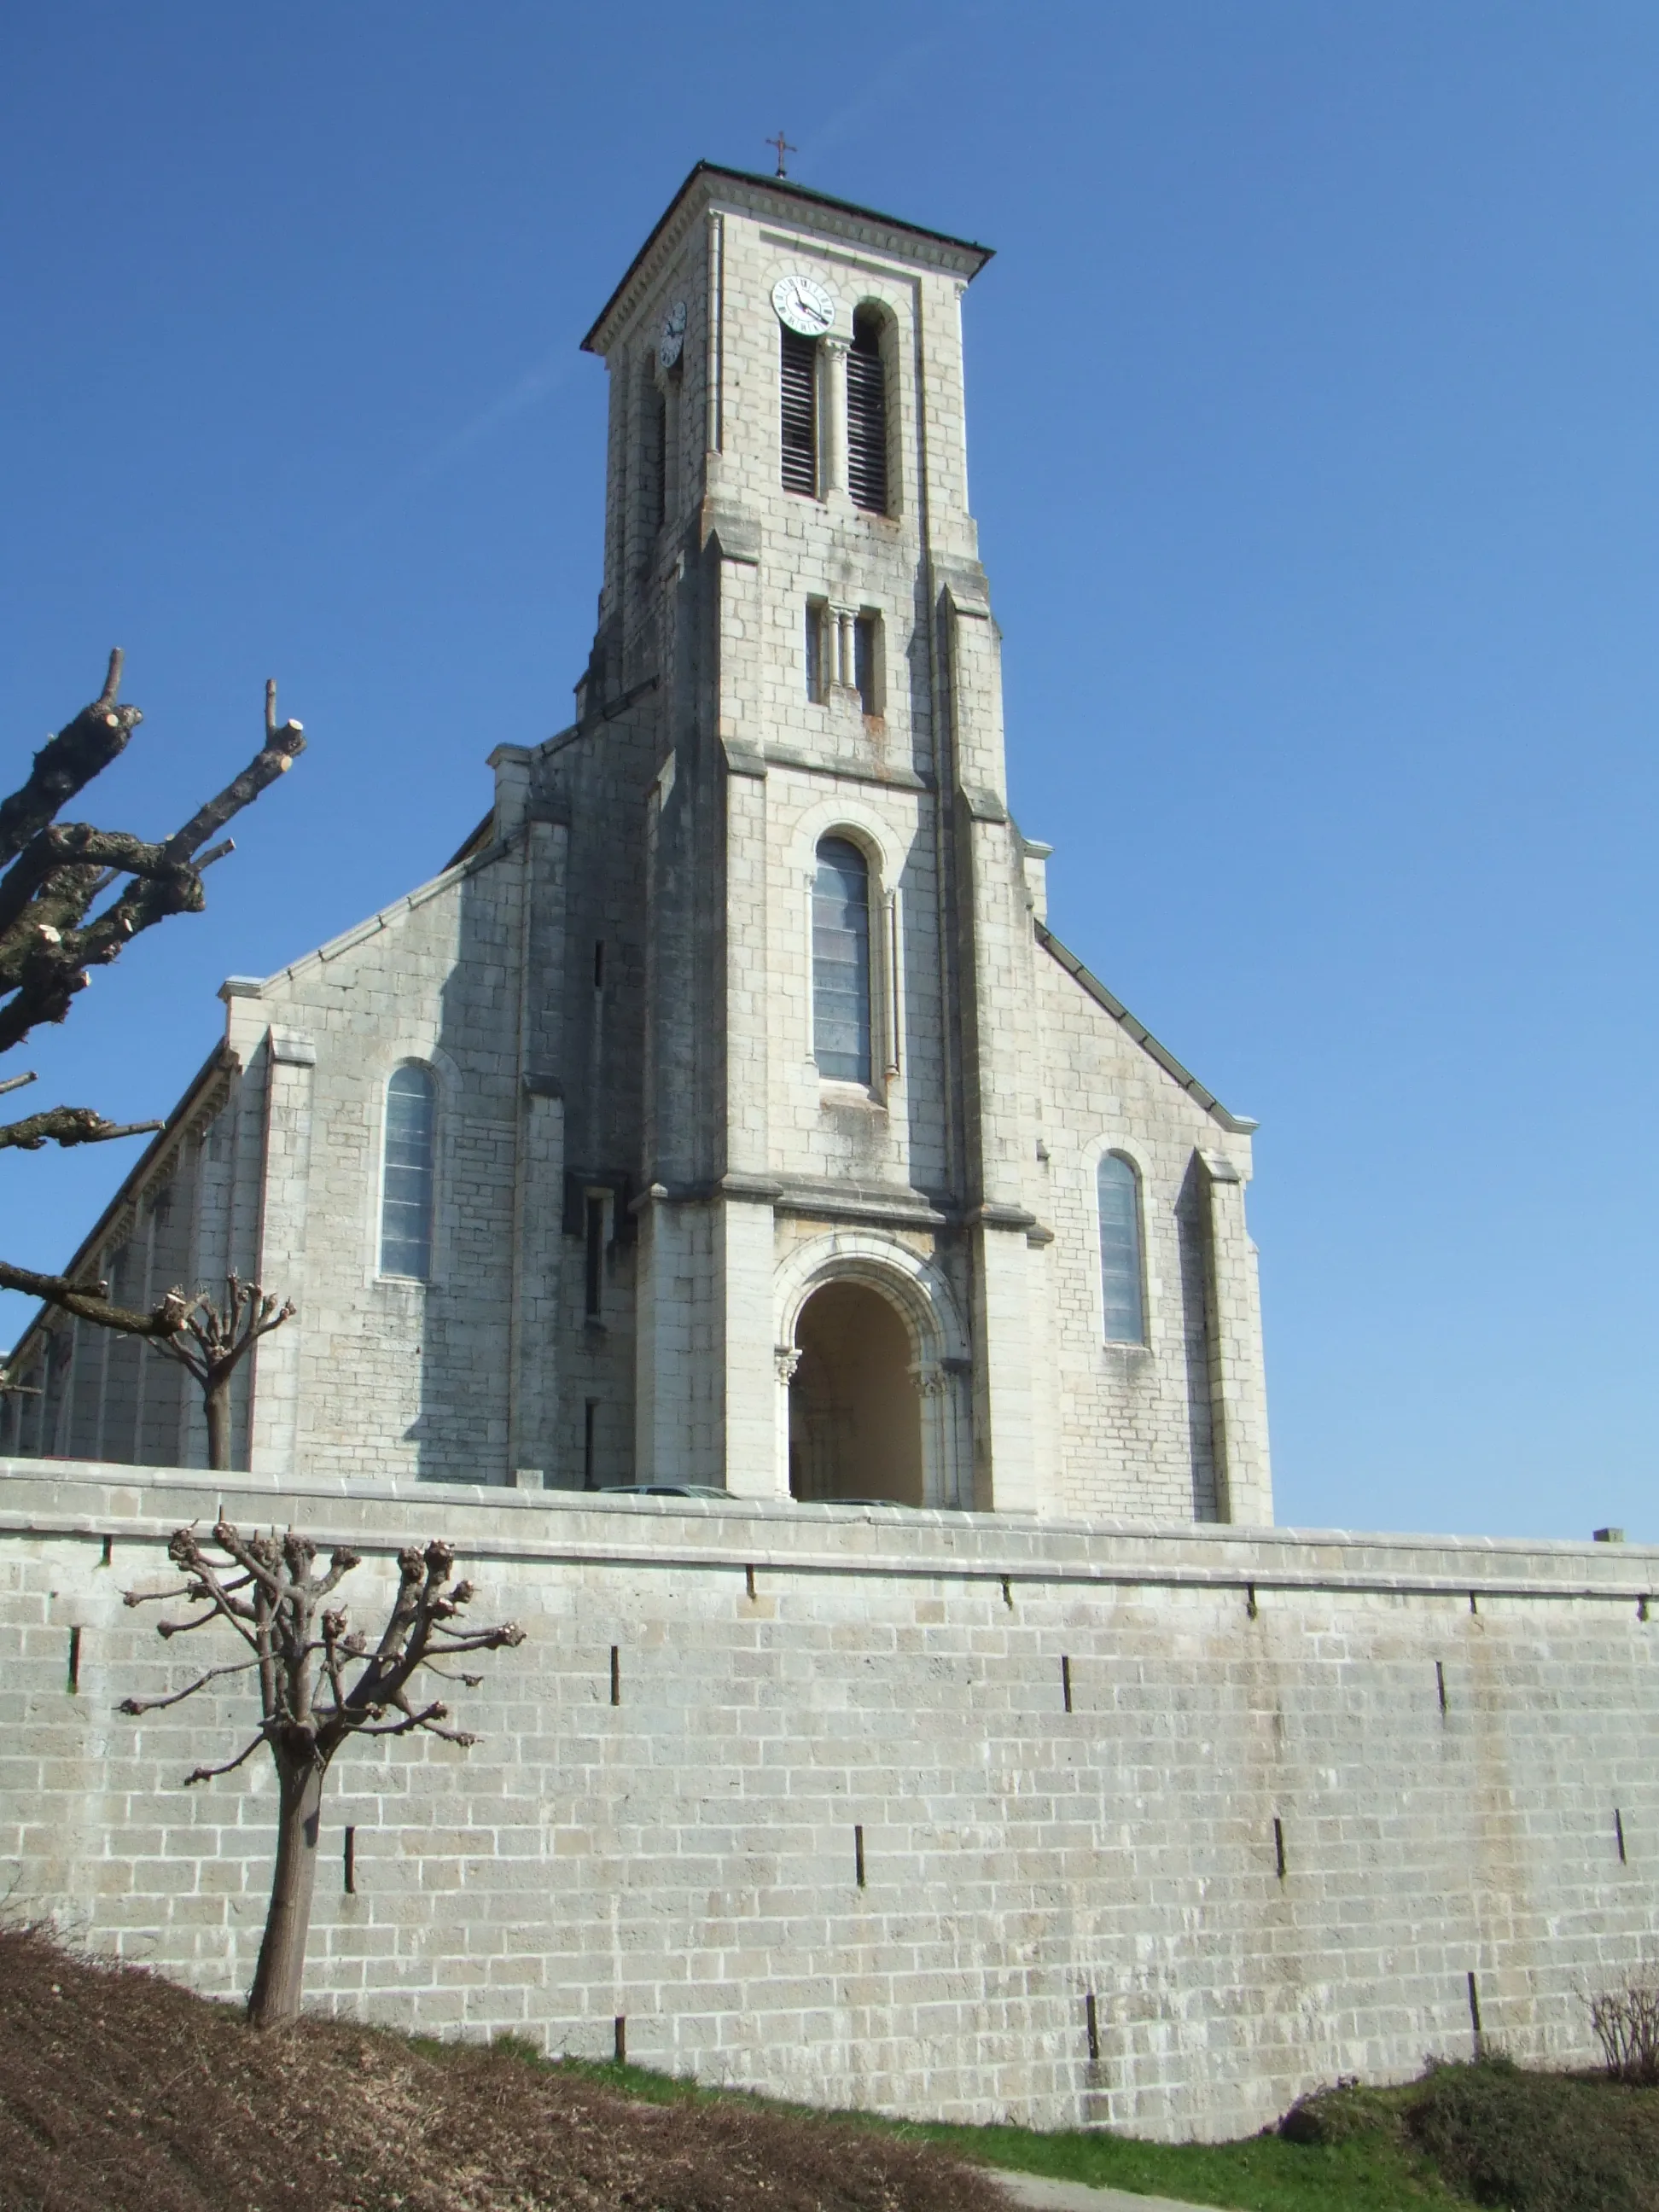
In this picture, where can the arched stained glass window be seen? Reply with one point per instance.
(406, 1194)
(840, 963)
(1118, 1187)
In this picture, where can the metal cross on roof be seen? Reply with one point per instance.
(783, 147)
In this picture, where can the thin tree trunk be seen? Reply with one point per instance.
(280, 1971)
(218, 1425)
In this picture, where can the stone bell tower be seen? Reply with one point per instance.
(838, 1092)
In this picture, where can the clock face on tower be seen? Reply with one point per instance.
(804, 305)
(673, 335)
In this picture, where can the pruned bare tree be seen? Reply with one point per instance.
(212, 1341)
(302, 1650)
(72, 898)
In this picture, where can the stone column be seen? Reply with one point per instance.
(280, 1269)
(538, 1180)
(1000, 1059)
(743, 1252)
(832, 415)
(1237, 1390)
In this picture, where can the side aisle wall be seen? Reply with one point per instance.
(1270, 1799)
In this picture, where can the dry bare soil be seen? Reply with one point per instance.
(121, 2093)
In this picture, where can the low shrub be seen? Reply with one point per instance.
(1340, 2115)
(1537, 2142)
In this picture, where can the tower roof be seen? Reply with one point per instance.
(781, 188)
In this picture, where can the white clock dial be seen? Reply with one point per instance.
(803, 305)
(673, 335)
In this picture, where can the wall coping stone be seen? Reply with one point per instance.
(95, 1498)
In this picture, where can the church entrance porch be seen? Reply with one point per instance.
(854, 1410)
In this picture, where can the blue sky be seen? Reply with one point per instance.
(1314, 448)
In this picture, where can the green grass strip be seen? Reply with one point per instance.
(1370, 2172)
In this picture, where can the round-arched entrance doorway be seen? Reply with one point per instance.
(854, 1413)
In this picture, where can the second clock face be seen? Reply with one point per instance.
(673, 335)
(803, 305)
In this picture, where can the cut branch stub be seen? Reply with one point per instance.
(56, 872)
(66, 762)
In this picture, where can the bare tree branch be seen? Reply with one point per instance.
(137, 1705)
(90, 1301)
(47, 945)
(210, 1773)
(51, 941)
(68, 1125)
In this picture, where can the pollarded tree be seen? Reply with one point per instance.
(72, 897)
(211, 1343)
(303, 1649)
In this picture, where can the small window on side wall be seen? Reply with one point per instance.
(406, 1193)
(818, 651)
(1118, 1189)
(840, 963)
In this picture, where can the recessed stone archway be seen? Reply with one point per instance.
(854, 1410)
(874, 1398)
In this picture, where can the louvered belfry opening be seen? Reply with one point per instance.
(799, 380)
(867, 415)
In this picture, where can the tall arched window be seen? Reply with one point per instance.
(867, 415)
(841, 962)
(406, 1193)
(1118, 1187)
(798, 375)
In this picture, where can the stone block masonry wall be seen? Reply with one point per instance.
(1268, 1798)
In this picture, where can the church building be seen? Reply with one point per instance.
(725, 1113)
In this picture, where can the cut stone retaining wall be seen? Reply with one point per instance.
(1307, 1785)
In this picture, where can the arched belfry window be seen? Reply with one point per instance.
(406, 1191)
(798, 382)
(1118, 1189)
(867, 415)
(841, 962)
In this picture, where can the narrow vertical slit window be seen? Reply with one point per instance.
(406, 1197)
(798, 380)
(867, 415)
(594, 1271)
(817, 680)
(349, 1869)
(589, 1410)
(659, 405)
(840, 963)
(599, 963)
(1118, 1187)
(867, 662)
